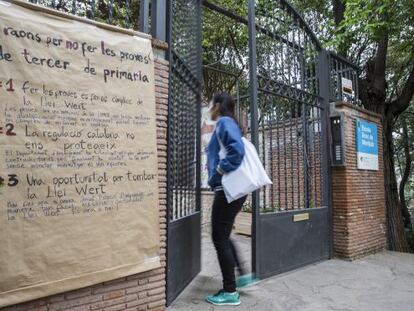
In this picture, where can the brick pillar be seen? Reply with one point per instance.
(358, 195)
(144, 291)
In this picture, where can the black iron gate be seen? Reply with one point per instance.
(291, 80)
(183, 247)
(288, 117)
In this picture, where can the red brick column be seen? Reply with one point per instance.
(144, 291)
(358, 195)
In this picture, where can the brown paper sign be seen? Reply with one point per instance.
(78, 162)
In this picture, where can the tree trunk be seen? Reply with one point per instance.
(373, 96)
(339, 12)
(397, 239)
(406, 174)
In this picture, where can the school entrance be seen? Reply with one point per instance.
(283, 92)
(285, 113)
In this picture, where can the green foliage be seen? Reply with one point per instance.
(100, 10)
(225, 47)
(365, 21)
(357, 35)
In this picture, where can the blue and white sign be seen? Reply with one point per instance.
(367, 145)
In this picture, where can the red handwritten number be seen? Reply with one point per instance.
(13, 181)
(10, 85)
(10, 130)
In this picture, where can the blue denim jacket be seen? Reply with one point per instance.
(230, 136)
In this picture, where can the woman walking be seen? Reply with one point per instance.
(228, 136)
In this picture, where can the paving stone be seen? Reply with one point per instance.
(380, 282)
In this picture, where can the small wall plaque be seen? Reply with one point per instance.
(300, 217)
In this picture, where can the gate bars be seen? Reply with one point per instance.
(184, 145)
(286, 74)
(286, 107)
(184, 109)
(288, 111)
(291, 81)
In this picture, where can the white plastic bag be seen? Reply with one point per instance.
(248, 177)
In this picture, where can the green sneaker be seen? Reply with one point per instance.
(246, 280)
(223, 298)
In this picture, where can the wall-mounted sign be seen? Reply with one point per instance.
(78, 155)
(347, 88)
(367, 145)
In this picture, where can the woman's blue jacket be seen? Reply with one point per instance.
(230, 136)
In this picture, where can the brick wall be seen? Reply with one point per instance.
(144, 291)
(358, 195)
(284, 157)
(282, 151)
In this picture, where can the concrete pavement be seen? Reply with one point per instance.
(383, 281)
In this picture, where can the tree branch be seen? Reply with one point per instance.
(405, 174)
(338, 11)
(380, 62)
(236, 78)
(236, 49)
(403, 101)
(274, 35)
(363, 47)
(409, 112)
(400, 72)
(339, 16)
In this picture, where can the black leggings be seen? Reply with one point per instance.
(222, 220)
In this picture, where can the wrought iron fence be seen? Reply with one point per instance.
(184, 109)
(343, 80)
(289, 108)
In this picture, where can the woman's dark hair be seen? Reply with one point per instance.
(226, 107)
(226, 104)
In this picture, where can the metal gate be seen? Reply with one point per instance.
(288, 125)
(286, 118)
(183, 197)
